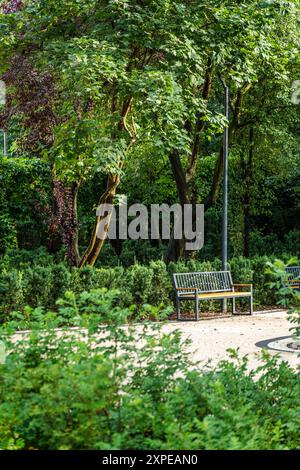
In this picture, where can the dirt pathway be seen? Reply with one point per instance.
(211, 338)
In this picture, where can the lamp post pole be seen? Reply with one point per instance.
(4, 143)
(2, 102)
(225, 185)
(225, 189)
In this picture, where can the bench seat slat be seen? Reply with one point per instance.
(217, 295)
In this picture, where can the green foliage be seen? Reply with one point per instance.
(129, 83)
(278, 281)
(11, 291)
(161, 288)
(123, 92)
(25, 187)
(38, 285)
(285, 295)
(61, 279)
(141, 252)
(241, 269)
(294, 316)
(43, 281)
(261, 279)
(113, 385)
(8, 233)
(139, 280)
(25, 258)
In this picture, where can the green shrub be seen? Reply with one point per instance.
(26, 258)
(97, 388)
(43, 281)
(292, 242)
(138, 284)
(82, 279)
(140, 251)
(241, 270)
(107, 257)
(11, 292)
(262, 294)
(8, 233)
(111, 278)
(38, 286)
(161, 289)
(192, 265)
(61, 281)
(278, 282)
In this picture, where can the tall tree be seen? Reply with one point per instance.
(145, 71)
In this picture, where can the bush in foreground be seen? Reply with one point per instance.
(114, 385)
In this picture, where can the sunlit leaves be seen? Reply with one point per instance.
(153, 55)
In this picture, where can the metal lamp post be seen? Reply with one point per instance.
(225, 188)
(225, 184)
(2, 102)
(4, 143)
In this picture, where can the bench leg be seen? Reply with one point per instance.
(251, 305)
(177, 308)
(233, 306)
(196, 308)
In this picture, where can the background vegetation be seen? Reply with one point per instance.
(135, 388)
(114, 98)
(109, 98)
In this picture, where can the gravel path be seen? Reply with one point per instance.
(211, 338)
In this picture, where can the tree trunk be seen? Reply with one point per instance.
(184, 180)
(66, 217)
(175, 250)
(95, 245)
(74, 250)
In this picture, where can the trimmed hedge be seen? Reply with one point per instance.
(41, 282)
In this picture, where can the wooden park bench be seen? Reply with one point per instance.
(214, 285)
(293, 273)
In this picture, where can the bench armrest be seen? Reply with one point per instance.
(180, 291)
(242, 285)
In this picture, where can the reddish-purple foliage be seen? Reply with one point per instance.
(66, 217)
(61, 217)
(32, 100)
(11, 6)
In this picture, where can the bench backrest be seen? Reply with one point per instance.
(293, 272)
(212, 281)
